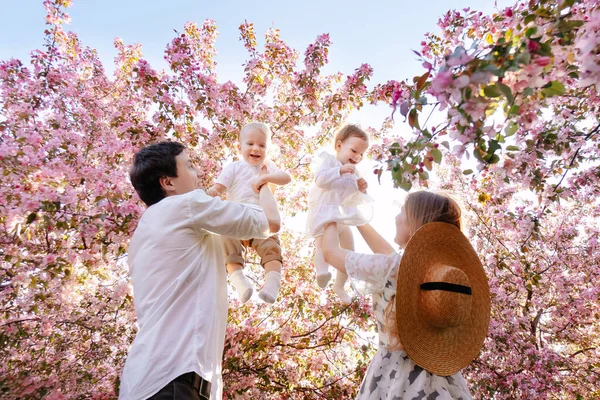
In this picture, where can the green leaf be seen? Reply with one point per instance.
(512, 148)
(527, 92)
(446, 144)
(492, 91)
(545, 49)
(493, 159)
(437, 155)
(511, 128)
(412, 118)
(478, 153)
(554, 88)
(531, 31)
(506, 92)
(494, 70)
(467, 172)
(404, 185)
(529, 18)
(493, 146)
(568, 25)
(31, 217)
(523, 58)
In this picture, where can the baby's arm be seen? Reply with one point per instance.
(326, 177)
(275, 176)
(278, 177)
(216, 190)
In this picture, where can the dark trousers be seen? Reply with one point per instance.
(180, 388)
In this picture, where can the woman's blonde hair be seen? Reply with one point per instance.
(348, 131)
(259, 126)
(421, 208)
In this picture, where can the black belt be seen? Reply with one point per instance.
(200, 384)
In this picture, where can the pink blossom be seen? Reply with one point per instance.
(442, 80)
(543, 61)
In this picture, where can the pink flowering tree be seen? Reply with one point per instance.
(519, 144)
(519, 96)
(68, 133)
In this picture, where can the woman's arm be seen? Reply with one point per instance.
(332, 252)
(374, 240)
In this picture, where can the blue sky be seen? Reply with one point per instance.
(381, 33)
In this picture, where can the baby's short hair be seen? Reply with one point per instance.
(348, 131)
(260, 126)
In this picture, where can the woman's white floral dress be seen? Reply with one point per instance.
(392, 375)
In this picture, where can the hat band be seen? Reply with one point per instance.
(449, 287)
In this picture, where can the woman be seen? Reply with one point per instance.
(392, 374)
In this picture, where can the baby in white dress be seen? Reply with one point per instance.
(338, 195)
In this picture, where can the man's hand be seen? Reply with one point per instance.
(362, 185)
(347, 169)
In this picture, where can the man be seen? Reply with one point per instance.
(179, 280)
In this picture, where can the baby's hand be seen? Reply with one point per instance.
(362, 185)
(257, 183)
(347, 169)
(212, 192)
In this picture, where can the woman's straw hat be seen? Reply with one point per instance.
(442, 300)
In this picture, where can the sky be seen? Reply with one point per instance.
(381, 33)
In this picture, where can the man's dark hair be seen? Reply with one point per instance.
(149, 165)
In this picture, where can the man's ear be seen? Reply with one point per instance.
(166, 183)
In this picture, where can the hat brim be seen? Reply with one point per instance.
(440, 351)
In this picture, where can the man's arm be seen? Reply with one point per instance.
(227, 218)
(269, 205)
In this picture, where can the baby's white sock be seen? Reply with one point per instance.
(323, 279)
(322, 270)
(338, 287)
(241, 285)
(271, 289)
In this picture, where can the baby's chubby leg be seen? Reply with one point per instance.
(321, 267)
(346, 242)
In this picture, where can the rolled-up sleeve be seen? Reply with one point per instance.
(226, 218)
